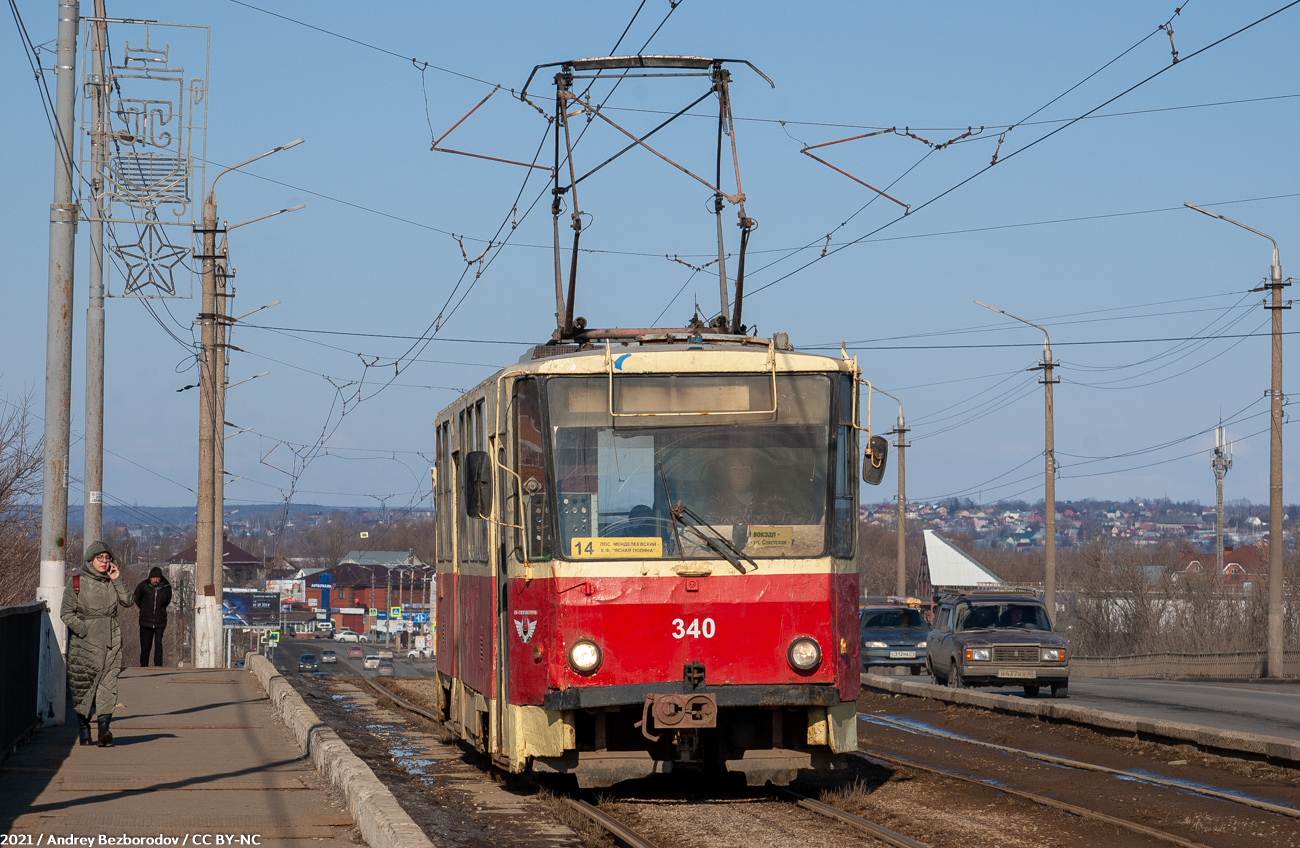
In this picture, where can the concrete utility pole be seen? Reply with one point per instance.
(58, 377)
(1049, 456)
(1276, 539)
(207, 564)
(1221, 462)
(207, 603)
(93, 514)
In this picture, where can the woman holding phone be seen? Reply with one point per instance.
(89, 609)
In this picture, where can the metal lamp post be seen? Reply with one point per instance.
(1276, 539)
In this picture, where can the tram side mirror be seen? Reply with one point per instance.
(478, 484)
(873, 460)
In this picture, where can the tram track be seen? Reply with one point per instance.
(1154, 793)
(1043, 800)
(1067, 762)
(628, 836)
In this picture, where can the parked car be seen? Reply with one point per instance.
(893, 636)
(346, 635)
(386, 668)
(355, 652)
(307, 662)
(997, 638)
(371, 661)
(328, 656)
(419, 654)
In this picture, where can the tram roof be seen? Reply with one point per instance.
(664, 353)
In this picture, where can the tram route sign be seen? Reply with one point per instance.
(631, 547)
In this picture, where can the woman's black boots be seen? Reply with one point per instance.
(83, 730)
(105, 735)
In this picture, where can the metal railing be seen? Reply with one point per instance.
(1246, 664)
(20, 652)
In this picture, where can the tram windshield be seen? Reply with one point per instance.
(753, 471)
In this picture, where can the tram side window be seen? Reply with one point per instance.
(473, 532)
(844, 531)
(531, 465)
(442, 501)
(479, 528)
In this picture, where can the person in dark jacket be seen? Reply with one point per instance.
(152, 597)
(89, 609)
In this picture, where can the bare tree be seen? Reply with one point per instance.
(21, 459)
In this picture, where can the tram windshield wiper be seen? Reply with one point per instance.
(717, 543)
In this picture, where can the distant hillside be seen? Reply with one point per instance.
(182, 517)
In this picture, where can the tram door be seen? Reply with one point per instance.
(475, 583)
(445, 500)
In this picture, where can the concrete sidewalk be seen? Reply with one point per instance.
(198, 753)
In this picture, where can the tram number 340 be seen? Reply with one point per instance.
(697, 628)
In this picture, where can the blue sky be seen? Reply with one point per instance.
(1083, 232)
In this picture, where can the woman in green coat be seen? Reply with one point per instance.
(89, 609)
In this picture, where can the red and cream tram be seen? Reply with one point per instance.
(646, 538)
(646, 560)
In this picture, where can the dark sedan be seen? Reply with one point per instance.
(307, 662)
(892, 637)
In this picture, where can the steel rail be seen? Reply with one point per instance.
(880, 832)
(619, 830)
(1037, 799)
(1079, 764)
(401, 702)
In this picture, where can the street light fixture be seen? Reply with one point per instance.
(1276, 539)
(1049, 455)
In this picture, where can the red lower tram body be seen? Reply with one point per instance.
(694, 673)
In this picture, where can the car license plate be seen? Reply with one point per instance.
(1018, 673)
(902, 655)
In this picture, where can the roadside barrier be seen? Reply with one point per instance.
(20, 656)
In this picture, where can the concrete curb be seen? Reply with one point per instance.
(382, 821)
(1206, 738)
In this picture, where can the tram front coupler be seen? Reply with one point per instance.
(678, 712)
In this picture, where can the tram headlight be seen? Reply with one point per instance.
(584, 656)
(805, 654)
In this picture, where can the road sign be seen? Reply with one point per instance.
(374, 612)
(381, 616)
(420, 617)
(395, 612)
(273, 636)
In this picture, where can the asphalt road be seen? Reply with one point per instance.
(290, 649)
(1269, 708)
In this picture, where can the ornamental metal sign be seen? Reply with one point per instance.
(150, 115)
